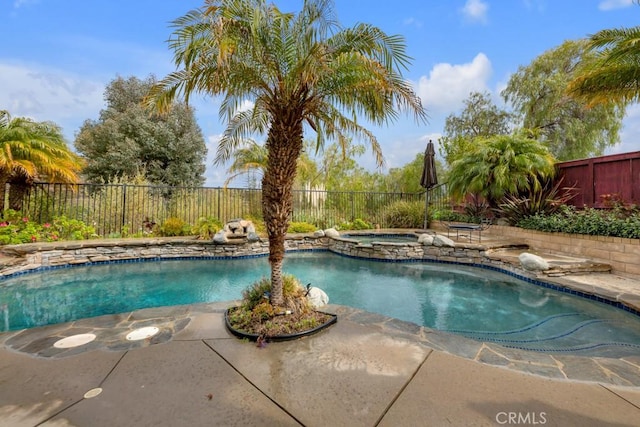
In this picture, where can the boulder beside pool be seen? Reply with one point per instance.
(331, 232)
(441, 241)
(533, 262)
(317, 297)
(237, 229)
(425, 239)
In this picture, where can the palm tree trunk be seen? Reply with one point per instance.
(284, 145)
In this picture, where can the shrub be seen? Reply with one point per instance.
(588, 221)
(259, 291)
(356, 224)
(15, 230)
(174, 226)
(545, 201)
(301, 227)
(206, 228)
(405, 215)
(73, 229)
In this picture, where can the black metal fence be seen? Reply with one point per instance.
(127, 209)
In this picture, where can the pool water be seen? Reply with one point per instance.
(476, 303)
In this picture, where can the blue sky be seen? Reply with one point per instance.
(58, 55)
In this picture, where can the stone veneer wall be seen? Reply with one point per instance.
(38, 255)
(462, 253)
(622, 254)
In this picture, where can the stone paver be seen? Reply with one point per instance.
(365, 372)
(449, 390)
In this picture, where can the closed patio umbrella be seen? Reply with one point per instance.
(429, 178)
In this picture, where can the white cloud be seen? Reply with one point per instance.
(46, 94)
(475, 11)
(246, 106)
(538, 5)
(447, 86)
(614, 4)
(412, 22)
(630, 134)
(19, 3)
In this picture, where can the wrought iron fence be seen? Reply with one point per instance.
(116, 209)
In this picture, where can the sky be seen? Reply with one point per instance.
(59, 55)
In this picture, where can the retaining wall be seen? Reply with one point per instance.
(622, 254)
(38, 255)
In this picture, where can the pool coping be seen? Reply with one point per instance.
(621, 371)
(111, 330)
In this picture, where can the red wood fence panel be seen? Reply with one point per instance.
(617, 175)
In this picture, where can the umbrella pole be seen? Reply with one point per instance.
(426, 210)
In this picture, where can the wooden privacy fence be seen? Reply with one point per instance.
(600, 178)
(124, 208)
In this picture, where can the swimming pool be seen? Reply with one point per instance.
(479, 304)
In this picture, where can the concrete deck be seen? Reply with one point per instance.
(366, 370)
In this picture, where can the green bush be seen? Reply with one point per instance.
(405, 215)
(206, 228)
(356, 224)
(301, 227)
(546, 200)
(589, 221)
(15, 230)
(174, 227)
(73, 229)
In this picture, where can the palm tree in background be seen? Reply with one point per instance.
(297, 69)
(501, 165)
(246, 160)
(30, 151)
(615, 76)
(252, 158)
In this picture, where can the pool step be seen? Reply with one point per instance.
(560, 265)
(563, 333)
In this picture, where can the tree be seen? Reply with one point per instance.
(251, 160)
(406, 179)
(501, 165)
(246, 160)
(480, 118)
(571, 128)
(126, 140)
(297, 69)
(614, 77)
(33, 150)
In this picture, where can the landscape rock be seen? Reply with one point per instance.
(425, 239)
(440, 241)
(317, 297)
(533, 262)
(331, 232)
(220, 237)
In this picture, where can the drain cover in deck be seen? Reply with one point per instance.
(74, 341)
(142, 333)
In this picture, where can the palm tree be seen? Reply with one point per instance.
(501, 165)
(615, 76)
(253, 158)
(297, 69)
(32, 150)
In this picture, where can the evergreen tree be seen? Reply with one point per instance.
(127, 140)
